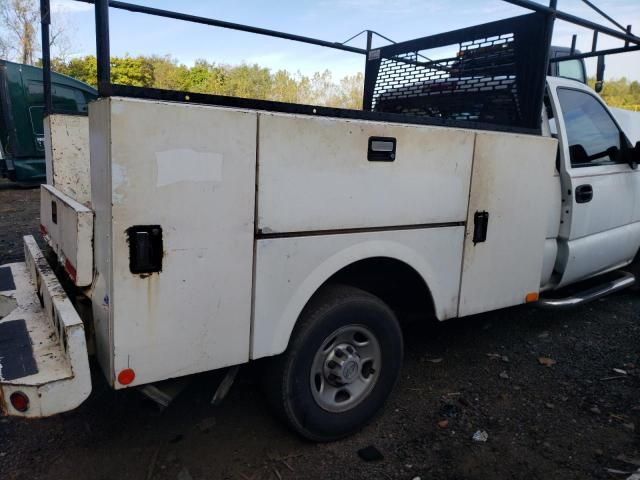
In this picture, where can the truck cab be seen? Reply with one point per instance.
(598, 189)
(22, 147)
(572, 69)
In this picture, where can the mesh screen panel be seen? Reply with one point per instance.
(492, 73)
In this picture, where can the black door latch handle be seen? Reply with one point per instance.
(584, 193)
(480, 226)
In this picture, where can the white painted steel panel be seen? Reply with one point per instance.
(510, 180)
(314, 174)
(63, 379)
(70, 235)
(594, 225)
(611, 184)
(554, 192)
(191, 170)
(548, 262)
(66, 140)
(290, 270)
(599, 253)
(101, 289)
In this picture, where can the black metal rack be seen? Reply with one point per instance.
(493, 78)
(492, 73)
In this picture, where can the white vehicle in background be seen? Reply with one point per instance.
(629, 123)
(195, 232)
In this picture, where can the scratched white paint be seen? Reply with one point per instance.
(119, 182)
(163, 165)
(63, 380)
(510, 179)
(187, 165)
(71, 234)
(67, 155)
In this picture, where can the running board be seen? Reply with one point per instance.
(624, 280)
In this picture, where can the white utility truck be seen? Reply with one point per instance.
(196, 232)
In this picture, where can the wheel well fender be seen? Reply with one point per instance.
(278, 303)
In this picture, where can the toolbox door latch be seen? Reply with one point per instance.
(145, 248)
(480, 226)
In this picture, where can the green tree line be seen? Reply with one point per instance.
(249, 81)
(254, 81)
(620, 93)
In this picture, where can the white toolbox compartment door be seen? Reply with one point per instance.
(190, 170)
(67, 226)
(511, 178)
(315, 174)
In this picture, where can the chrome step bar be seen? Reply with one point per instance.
(625, 280)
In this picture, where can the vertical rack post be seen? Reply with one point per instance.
(102, 47)
(626, 43)
(45, 21)
(551, 17)
(366, 94)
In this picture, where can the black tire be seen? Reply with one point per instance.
(287, 379)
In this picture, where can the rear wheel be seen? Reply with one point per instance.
(342, 361)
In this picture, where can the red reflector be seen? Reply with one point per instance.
(19, 401)
(43, 229)
(70, 269)
(126, 376)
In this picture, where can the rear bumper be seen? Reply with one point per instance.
(43, 351)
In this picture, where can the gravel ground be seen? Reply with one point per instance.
(574, 419)
(19, 216)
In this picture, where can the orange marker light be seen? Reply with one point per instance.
(126, 376)
(532, 297)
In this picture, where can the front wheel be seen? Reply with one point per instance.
(342, 361)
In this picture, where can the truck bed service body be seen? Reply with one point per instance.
(206, 234)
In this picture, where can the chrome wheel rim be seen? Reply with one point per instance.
(345, 368)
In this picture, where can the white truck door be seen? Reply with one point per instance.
(502, 263)
(599, 229)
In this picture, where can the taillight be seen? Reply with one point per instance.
(19, 401)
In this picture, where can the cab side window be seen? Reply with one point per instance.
(592, 135)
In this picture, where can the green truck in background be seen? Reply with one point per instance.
(21, 117)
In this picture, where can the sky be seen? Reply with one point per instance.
(331, 20)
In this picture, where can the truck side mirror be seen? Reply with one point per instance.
(600, 74)
(630, 156)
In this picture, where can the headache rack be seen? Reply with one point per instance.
(489, 76)
(492, 73)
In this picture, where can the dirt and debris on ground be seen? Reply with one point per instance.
(19, 216)
(546, 388)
